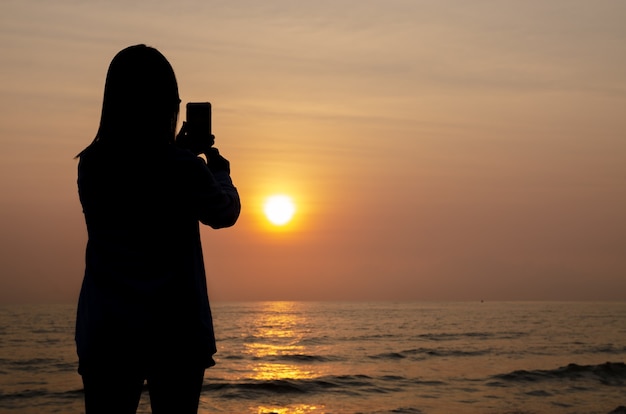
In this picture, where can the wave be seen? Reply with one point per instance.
(305, 358)
(604, 349)
(16, 400)
(423, 353)
(352, 385)
(439, 337)
(348, 385)
(609, 373)
(45, 365)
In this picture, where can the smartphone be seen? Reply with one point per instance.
(199, 118)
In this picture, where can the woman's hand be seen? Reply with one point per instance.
(198, 144)
(216, 162)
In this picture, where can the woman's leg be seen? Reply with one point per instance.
(175, 389)
(110, 391)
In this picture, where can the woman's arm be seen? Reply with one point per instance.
(217, 199)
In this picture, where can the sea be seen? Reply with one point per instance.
(359, 357)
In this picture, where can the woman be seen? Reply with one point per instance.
(143, 311)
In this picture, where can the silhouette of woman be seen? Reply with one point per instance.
(143, 311)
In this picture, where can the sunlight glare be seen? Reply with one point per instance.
(279, 209)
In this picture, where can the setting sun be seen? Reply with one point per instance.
(279, 209)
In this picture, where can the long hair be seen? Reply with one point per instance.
(141, 102)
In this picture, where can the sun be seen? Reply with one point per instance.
(279, 209)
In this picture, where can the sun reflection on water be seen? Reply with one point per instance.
(299, 409)
(276, 338)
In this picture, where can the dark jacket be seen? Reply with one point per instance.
(144, 295)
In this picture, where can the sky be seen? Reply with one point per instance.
(435, 150)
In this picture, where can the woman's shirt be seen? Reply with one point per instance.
(144, 284)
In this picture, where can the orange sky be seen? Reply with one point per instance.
(437, 150)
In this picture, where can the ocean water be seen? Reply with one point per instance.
(379, 357)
